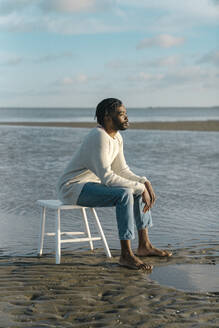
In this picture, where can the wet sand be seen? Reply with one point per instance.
(88, 290)
(183, 125)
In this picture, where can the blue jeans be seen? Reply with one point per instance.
(129, 207)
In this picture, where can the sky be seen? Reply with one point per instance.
(74, 53)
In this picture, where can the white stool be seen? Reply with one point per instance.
(58, 206)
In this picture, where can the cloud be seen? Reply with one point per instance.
(167, 61)
(117, 64)
(7, 59)
(13, 61)
(68, 5)
(9, 6)
(186, 75)
(59, 6)
(150, 77)
(63, 82)
(163, 41)
(74, 16)
(57, 16)
(53, 57)
(204, 9)
(69, 81)
(177, 78)
(163, 62)
(66, 81)
(59, 24)
(211, 58)
(75, 6)
(81, 78)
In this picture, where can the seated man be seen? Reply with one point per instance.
(98, 176)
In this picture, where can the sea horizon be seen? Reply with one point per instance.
(87, 114)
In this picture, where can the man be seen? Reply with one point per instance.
(98, 176)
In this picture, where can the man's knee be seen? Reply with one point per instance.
(125, 194)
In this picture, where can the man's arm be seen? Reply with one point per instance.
(121, 168)
(99, 162)
(150, 191)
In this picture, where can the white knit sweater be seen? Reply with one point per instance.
(99, 159)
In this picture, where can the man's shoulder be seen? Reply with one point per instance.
(96, 134)
(99, 133)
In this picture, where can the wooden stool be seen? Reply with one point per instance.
(58, 206)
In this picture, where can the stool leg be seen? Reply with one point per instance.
(42, 230)
(87, 227)
(108, 253)
(58, 242)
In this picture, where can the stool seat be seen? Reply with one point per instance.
(58, 206)
(55, 204)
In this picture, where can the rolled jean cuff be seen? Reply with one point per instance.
(143, 220)
(149, 223)
(126, 236)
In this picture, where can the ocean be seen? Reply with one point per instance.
(150, 114)
(183, 167)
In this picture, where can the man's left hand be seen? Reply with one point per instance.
(150, 191)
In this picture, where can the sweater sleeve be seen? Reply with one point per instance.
(98, 161)
(121, 168)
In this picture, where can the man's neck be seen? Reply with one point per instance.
(111, 132)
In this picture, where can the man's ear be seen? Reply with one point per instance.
(107, 119)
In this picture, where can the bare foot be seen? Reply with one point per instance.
(132, 262)
(152, 251)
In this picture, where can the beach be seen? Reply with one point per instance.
(87, 289)
(180, 125)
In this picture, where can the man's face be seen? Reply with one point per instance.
(120, 119)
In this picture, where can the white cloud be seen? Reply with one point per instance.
(10, 59)
(75, 6)
(53, 57)
(74, 16)
(9, 6)
(68, 5)
(150, 77)
(163, 41)
(117, 64)
(58, 24)
(58, 6)
(185, 77)
(81, 78)
(204, 9)
(167, 61)
(147, 77)
(210, 58)
(63, 82)
(74, 80)
(66, 81)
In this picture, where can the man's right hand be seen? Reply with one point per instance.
(147, 200)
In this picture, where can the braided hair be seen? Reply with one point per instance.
(106, 107)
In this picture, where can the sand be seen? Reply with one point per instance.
(183, 125)
(88, 290)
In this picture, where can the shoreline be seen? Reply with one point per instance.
(210, 125)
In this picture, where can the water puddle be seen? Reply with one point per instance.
(188, 277)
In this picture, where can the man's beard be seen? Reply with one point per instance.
(120, 126)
